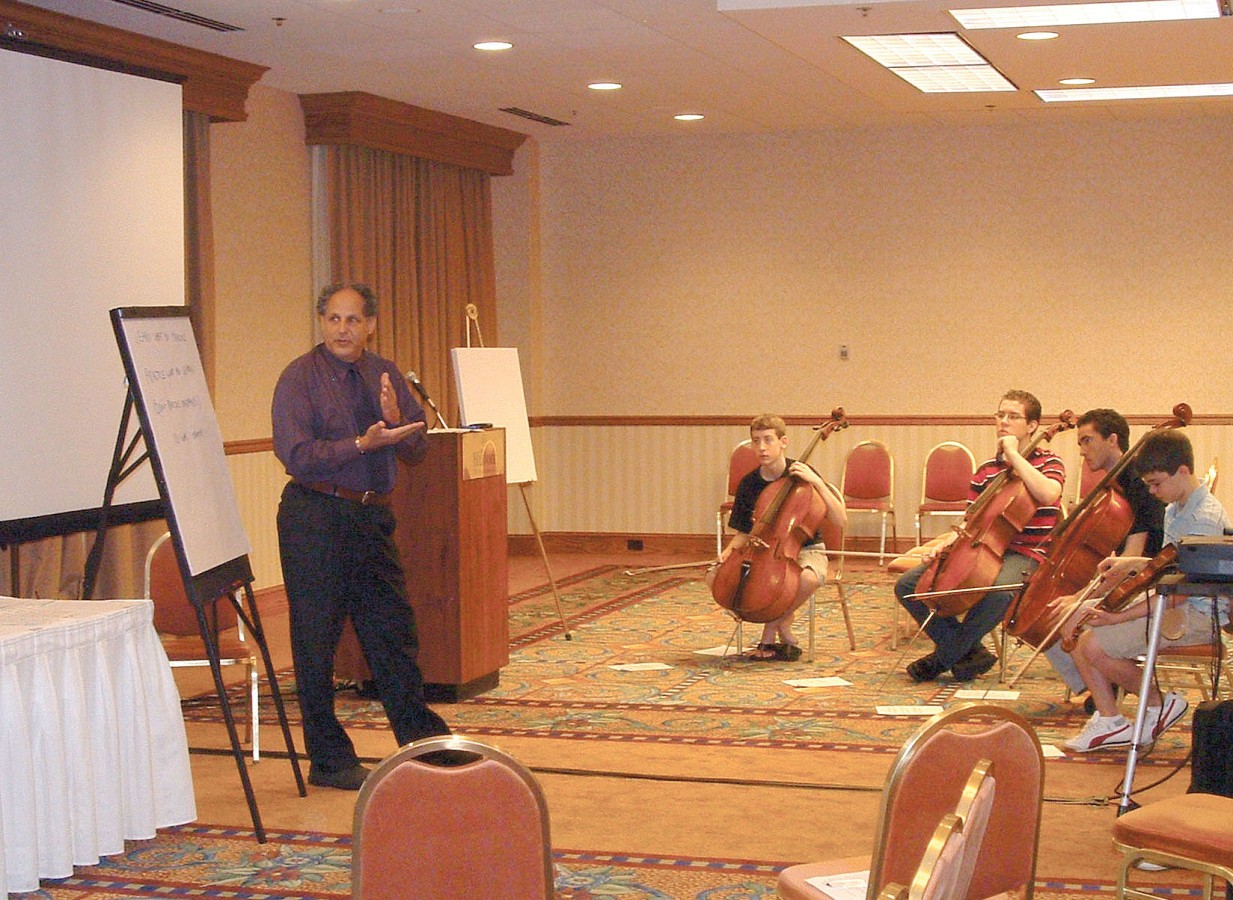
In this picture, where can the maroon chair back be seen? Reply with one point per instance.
(948, 474)
(173, 611)
(868, 472)
(424, 831)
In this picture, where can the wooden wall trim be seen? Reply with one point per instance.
(262, 445)
(694, 421)
(355, 117)
(213, 84)
(258, 445)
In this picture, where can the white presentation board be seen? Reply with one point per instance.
(91, 218)
(489, 383)
(182, 433)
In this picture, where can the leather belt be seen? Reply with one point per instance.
(365, 498)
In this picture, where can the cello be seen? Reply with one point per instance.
(1128, 589)
(759, 582)
(1091, 533)
(965, 570)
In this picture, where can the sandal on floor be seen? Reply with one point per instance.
(771, 652)
(787, 652)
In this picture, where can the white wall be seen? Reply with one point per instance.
(1088, 263)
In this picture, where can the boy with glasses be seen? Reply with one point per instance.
(958, 641)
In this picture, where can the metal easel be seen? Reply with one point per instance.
(472, 318)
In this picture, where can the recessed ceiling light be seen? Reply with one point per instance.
(493, 45)
(689, 117)
(1144, 92)
(1073, 81)
(1036, 35)
(1087, 13)
(604, 86)
(933, 63)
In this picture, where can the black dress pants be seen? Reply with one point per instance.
(339, 561)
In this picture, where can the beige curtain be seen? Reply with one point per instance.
(420, 234)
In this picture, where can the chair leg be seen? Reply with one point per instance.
(719, 533)
(847, 616)
(882, 544)
(813, 610)
(254, 721)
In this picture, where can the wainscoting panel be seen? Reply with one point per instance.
(259, 479)
(669, 479)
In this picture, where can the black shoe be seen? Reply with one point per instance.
(975, 663)
(450, 758)
(350, 779)
(927, 668)
(1089, 704)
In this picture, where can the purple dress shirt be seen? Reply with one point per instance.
(315, 422)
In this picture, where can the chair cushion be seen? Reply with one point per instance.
(792, 883)
(183, 648)
(943, 506)
(1193, 826)
(867, 505)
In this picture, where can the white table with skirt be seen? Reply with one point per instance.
(92, 743)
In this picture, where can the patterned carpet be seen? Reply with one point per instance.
(200, 861)
(654, 624)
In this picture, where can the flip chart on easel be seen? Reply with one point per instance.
(181, 433)
(489, 383)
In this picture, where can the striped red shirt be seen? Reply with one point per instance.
(1034, 539)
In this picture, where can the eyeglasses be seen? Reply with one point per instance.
(1008, 416)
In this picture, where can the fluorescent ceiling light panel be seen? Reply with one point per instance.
(955, 79)
(896, 50)
(933, 63)
(1146, 92)
(1087, 13)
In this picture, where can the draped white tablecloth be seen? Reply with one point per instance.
(92, 743)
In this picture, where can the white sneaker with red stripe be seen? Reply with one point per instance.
(1159, 719)
(1101, 733)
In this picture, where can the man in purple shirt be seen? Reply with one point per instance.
(342, 418)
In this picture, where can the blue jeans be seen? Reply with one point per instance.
(955, 637)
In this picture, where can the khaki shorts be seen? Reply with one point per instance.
(1126, 640)
(814, 558)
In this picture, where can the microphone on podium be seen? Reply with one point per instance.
(414, 381)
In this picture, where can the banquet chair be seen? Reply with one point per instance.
(1201, 662)
(449, 817)
(945, 481)
(832, 536)
(868, 486)
(1189, 831)
(1212, 475)
(741, 462)
(175, 620)
(932, 768)
(946, 868)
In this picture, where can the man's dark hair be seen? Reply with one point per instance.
(1107, 422)
(365, 292)
(1164, 451)
(1031, 406)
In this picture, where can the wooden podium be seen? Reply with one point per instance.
(452, 537)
